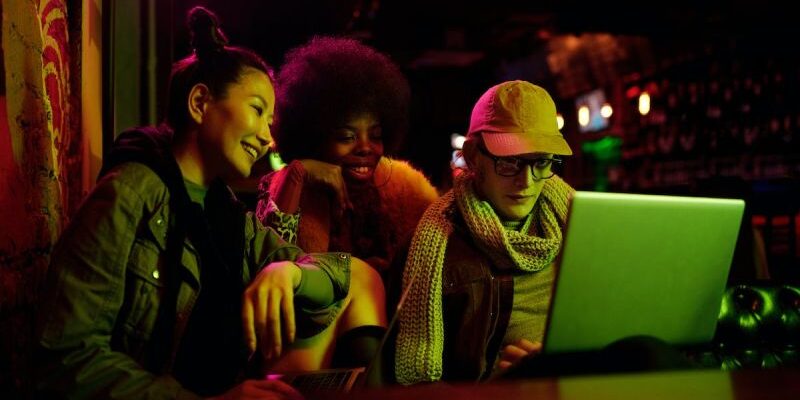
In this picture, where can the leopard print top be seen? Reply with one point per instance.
(285, 225)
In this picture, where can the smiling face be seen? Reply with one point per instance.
(356, 146)
(512, 197)
(235, 128)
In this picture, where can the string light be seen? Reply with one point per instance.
(583, 115)
(606, 111)
(457, 141)
(644, 103)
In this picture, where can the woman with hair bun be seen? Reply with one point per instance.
(163, 285)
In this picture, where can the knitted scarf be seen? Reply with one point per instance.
(420, 341)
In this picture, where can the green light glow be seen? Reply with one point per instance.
(606, 149)
(275, 160)
(606, 153)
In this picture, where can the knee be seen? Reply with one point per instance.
(364, 280)
(367, 298)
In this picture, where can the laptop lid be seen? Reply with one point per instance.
(641, 265)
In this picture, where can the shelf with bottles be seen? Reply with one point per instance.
(730, 111)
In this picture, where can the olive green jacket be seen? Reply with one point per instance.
(106, 282)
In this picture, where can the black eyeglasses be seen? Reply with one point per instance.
(541, 168)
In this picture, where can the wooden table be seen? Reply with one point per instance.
(695, 384)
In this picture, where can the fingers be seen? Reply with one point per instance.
(341, 198)
(330, 175)
(512, 353)
(268, 309)
(247, 324)
(287, 307)
(271, 338)
(530, 347)
(261, 304)
(504, 364)
(340, 191)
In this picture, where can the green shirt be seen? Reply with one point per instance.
(197, 193)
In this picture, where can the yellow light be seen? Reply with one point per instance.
(606, 110)
(560, 121)
(583, 115)
(644, 103)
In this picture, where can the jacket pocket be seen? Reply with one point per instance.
(144, 288)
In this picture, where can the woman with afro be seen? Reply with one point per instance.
(343, 110)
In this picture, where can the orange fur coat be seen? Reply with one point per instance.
(404, 191)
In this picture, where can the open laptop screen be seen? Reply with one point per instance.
(641, 265)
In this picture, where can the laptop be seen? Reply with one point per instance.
(641, 265)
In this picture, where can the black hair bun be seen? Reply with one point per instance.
(207, 37)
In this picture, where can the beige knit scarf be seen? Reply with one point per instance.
(420, 341)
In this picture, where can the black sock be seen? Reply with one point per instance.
(357, 347)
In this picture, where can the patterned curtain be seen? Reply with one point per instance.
(40, 160)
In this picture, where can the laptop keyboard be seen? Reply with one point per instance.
(337, 380)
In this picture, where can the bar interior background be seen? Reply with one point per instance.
(659, 97)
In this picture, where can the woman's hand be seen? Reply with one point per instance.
(268, 298)
(328, 175)
(262, 389)
(513, 353)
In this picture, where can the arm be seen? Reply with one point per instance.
(84, 294)
(325, 278)
(288, 186)
(293, 292)
(279, 200)
(281, 191)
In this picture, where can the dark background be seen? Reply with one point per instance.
(452, 50)
(723, 78)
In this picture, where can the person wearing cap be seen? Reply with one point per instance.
(481, 260)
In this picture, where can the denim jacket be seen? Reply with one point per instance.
(106, 282)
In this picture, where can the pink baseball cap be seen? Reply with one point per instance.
(517, 117)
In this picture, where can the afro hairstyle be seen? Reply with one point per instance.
(330, 80)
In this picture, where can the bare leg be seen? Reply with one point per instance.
(364, 305)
